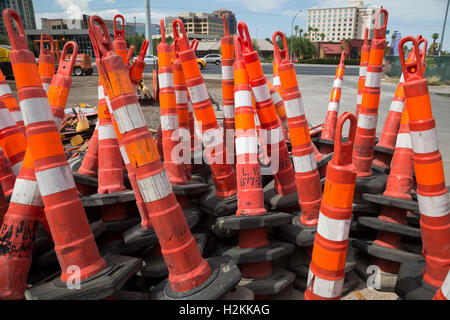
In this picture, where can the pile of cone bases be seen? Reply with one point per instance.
(197, 211)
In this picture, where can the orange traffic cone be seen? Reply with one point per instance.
(7, 177)
(46, 61)
(280, 194)
(326, 272)
(187, 269)
(119, 43)
(421, 279)
(7, 97)
(137, 69)
(364, 62)
(444, 292)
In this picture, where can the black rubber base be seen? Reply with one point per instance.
(202, 170)
(85, 180)
(270, 219)
(131, 295)
(384, 150)
(154, 266)
(224, 276)
(299, 262)
(380, 199)
(297, 233)
(274, 283)
(103, 285)
(192, 189)
(122, 225)
(378, 251)
(216, 206)
(386, 226)
(98, 200)
(273, 251)
(410, 284)
(277, 202)
(375, 184)
(366, 208)
(239, 293)
(209, 222)
(324, 161)
(137, 238)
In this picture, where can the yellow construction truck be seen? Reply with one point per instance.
(5, 62)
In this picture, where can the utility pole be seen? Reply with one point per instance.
(135, 30)
(148, 26)
(292, 30)
(443, 29)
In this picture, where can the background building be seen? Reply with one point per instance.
(231, 19)
(140, 28)
(24, 8)
(341, 23)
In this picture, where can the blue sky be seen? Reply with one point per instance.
(263, 17)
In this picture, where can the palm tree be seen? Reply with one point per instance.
(300, 33)
(310, 29)
(315, 31)
(296, 30)
(435, 36)
(322, 36)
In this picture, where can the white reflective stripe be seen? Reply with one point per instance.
(261, 93)
(198, 93)
(55, 180)
(306, 163)
(242, 98)
(155, 187)
(129, 117)
(367, 122)
(373, 79)
(337, 83)
(424, 141)
(276, 81)
(276, 98)
(333, 229)
(446, 286)
(124, 154)
(324, 288)
(181, 96)
(101, 93)
(434, 207)
(402, 79)
(46, 86)
(190, 108)
(17, 116)
(36, 110)
(362, 71)
(273, 136)
(228, 111)
(227, 73)
(333, 106)
(294, 108)
(16, 168)
(246, 145)
(169, 122)
(6, 120)
(26, 192)
(165, 80)
(257, 123)
(4, 89)
(359, 99)
(403, 141)
(397, 106)
(212, 138)
(106, 132)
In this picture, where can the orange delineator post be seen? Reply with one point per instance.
(364, 62)
(74, 242)
(169, 115)
(187, 269)
(386, 144)
(119, 43)
(222, 173)
(273, 134)
(327, 269)
(329, 127)
(307, 177)
(431, 191)
(279, 106)
(11, 103)
(89, 165)
(368, 115)
(46, 62)
(7, 176)
(12, 141)
(137, 69)
(227, 51)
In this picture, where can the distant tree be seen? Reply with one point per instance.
(269, 40)
(301, 47)
(434, 46)
(255, 45)
(322, 36)
(296, 30)
(4, 39)
(300, 33)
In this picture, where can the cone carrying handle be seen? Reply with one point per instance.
(366, 36)
(194, 44)
(412, 70)
(65, 67)
(101, 36)
(423, 51)
(245, 37)
(130, 54)
(380, 31)
(342, 57)
(119, 33)
(143, 50)
(343, 150)
(43, 50)
(237, 47)
(276, 50)
(225, 26)
(183, 42)
(18, 40)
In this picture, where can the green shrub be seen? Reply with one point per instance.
(349, 62)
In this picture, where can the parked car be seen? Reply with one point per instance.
(201, 63)
(148, 59)
(83, 64)
(213, 58)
